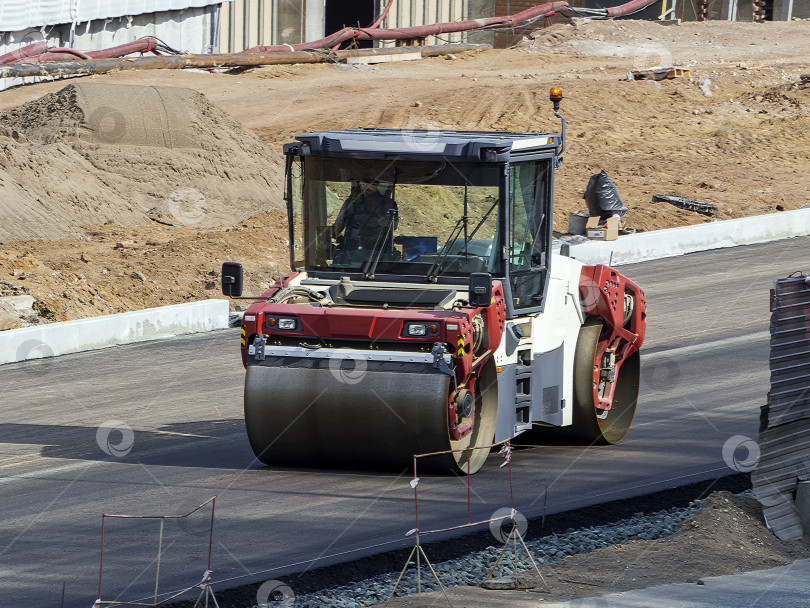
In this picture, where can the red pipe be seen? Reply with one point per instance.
(144, 45)
(56, 53)
(384, 14)
(27, 51)
(421, 31)
(627, 8)
(41, 54)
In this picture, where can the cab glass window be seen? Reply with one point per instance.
(432, 218)
(529, 231)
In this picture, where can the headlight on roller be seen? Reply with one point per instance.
(282, 323)
(417, 330)
(287, 324)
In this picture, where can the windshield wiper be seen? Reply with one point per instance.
(461, 224)
(537, 234)
(466, 238)
(393, 217)
(484, 219)
(379, 245)
(436, 268)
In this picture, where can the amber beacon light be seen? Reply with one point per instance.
(555, 95)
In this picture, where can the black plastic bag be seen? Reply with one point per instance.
(602, 197)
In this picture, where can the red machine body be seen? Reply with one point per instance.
(607, 294)
(378, 328)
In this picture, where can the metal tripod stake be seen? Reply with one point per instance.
(206, 593)
(514, 536)
(420, 553)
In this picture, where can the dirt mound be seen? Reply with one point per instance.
(792, 96)
(727, 536)
(93, 153)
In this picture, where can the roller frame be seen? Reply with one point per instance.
(564, 372)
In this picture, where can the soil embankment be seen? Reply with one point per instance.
(116, 199)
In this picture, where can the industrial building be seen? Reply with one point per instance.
(212, 26)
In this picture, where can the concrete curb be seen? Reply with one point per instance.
(689, 239)
(100, 332)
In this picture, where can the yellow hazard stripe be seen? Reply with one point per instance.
(461, 352)
(243, 336)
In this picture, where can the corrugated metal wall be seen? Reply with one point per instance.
(410, 13)
(247, 23)
(16, 15)
(193, 30)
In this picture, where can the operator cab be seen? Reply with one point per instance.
(429, 208)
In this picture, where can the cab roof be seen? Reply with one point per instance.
(467, 146)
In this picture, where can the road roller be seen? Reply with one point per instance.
(428, 310)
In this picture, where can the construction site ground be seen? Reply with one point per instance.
(745, 149)
(727, 536)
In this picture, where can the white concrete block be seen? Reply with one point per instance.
(383, 58)
(100, 332)
(689, 239)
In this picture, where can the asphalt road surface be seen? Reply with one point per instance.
(705, 375)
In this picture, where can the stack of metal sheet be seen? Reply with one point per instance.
(784, 436)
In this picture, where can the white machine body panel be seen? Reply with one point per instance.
(535, 384)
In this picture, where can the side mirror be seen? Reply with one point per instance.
(480, 290)
(232, 279)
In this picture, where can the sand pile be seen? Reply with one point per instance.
(727, 536)
(93, 153)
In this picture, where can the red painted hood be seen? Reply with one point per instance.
(357, 324)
